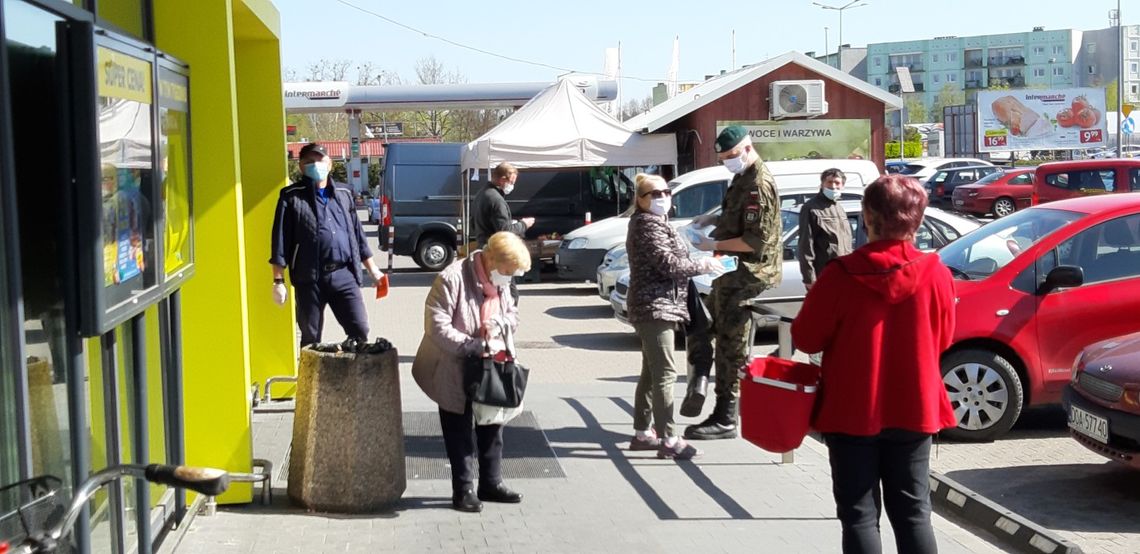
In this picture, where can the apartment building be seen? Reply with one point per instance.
(1035, 59)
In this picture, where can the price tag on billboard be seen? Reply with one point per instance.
(1091, 135)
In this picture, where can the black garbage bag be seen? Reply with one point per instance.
(355, 345)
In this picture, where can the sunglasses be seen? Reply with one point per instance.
(660, 193)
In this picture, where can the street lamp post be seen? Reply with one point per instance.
(849, 5)
(826, 46)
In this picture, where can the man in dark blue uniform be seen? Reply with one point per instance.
(317, 235)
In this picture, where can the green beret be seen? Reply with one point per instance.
(730, 137)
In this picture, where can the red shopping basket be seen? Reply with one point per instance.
(776, 401)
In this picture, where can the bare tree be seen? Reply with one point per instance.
(634, 107)
(429, 71)
(468, 125)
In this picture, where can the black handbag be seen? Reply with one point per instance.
(495, 383)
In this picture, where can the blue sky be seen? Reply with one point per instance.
(574, 34)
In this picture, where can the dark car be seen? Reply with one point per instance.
(940, 186)
(1103, 399)
(1000, 193)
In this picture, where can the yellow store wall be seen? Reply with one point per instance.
(216, 325)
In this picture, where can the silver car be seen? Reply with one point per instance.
(938, 229)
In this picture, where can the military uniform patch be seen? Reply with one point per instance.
(752, 216)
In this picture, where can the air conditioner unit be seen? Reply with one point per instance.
(797, 99)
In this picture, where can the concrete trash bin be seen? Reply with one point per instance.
(348, 433)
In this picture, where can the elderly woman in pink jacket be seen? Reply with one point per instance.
(469, 302)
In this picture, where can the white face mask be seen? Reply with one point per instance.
(507, 188)
(660, 206)
(738, 164)
(500, 280)
(831, 194)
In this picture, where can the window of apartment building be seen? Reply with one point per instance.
(1090, 47)
(1038, 49)
(913, 61)
(878, 81)
(951, 77)
(1058, 71)
(1002, 56)
(934, 58)
(878, 61)
(1134, 45)
(1133, 67)
(937, 78)
(1039, 72)
(1092, 69)
(1058, 49)
(974, 77)
(952, 57)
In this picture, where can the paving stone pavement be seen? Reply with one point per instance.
(1042, 474)
(736, 498)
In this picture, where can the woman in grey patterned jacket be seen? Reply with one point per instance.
(659, 271)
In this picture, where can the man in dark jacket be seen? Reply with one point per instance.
(317, 236)
(492, 214)
(824, 231)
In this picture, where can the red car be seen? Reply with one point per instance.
(1103, 399)
(1059, 180)
(999, 193)
(1034, 288)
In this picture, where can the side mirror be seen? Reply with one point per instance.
(1063, 276)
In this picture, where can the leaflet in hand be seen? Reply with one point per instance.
(729, 263)
(692, 233)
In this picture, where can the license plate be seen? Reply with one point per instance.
(959, 202)
(1087, 424)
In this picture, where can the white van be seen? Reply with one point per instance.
(698, 192)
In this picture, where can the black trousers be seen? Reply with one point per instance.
(339, 290)
(898, 460)
(463, 441)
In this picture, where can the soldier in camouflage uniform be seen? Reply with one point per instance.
(749, 228)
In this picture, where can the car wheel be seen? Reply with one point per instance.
(1004, 206)
(985, 393)
(434, 253)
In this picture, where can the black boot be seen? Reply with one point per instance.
(465, 500)
(721, 424)
(694, 400)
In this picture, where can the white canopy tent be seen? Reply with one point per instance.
(561, 128)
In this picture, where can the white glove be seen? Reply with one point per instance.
(704, 220)
(707, 244)
(711, 265)
(280, 293)
(496, 345)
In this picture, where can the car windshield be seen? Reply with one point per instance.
(982, 253)
(789, 219)
(989, 178)
(911, 169)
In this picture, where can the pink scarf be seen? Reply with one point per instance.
(491, 303)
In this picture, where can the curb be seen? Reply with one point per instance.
(951, 498)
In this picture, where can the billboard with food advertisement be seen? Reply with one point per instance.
(1033, 119)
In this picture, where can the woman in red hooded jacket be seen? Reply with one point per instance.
(882, 316)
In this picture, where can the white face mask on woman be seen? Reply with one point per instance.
(500, 280)
(660, 206)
